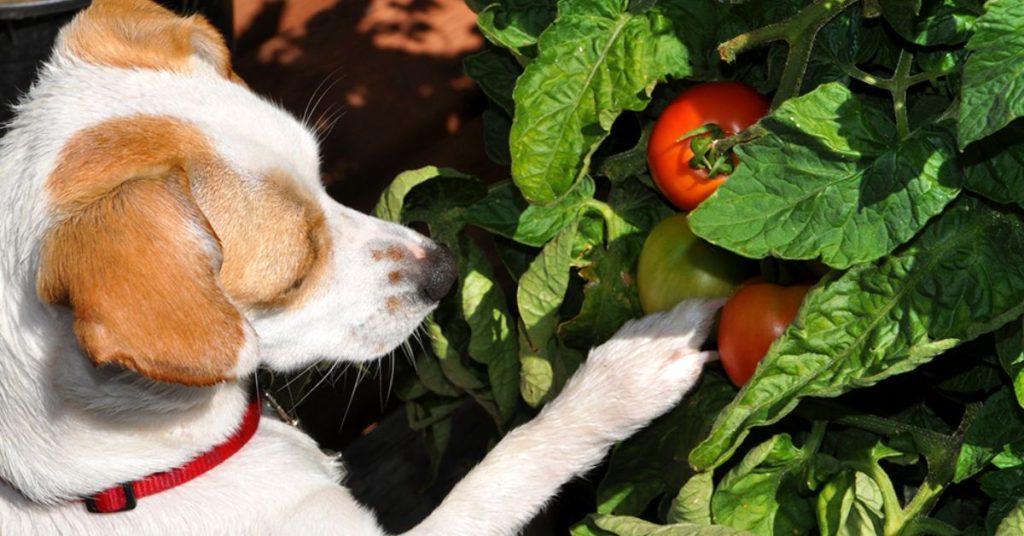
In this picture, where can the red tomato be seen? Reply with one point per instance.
(751, 321)
(730, 105)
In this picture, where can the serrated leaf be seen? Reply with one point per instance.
(492, 338)
(496, 128)
(428, 370)
(504, 211)
(830, 179)
(693, 502)
(1000, 422)
(937, 22)
(610, 294)
(1010, 348)
(949, 286)
(851, 505)
(761, 493)
(450, 358)
(1013, 523)
(596, 60)
(540, 294)
(994, 167)
(992, 94)
(632, 526)
(495, 72)
(515, 24)
(1004, 484)
(392, 200)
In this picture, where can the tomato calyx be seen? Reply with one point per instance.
(707, 156)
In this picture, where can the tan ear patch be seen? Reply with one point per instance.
(274, 237)
(158, 240)
(138, 267)
(139, 34)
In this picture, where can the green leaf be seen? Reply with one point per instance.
(1010, 347)
(653, 461)
(631, 526)
(762, 493)
(992, 94)
(950, 285)
(629, 163)
(495, 72)
(1006, 487)
(1004, 484)
(851, 505)
(504, 211)
(496, 128)
(596, 60)
(492, 336)
(981, 378)
(1000, 423)
(610, 295)
(460, 374)
(900, 12)
(994, 167)
(428, 370)
(540, 294)
(693, 502)
(515, 24)
(391, 203)
(1013, 523)
(830, 179)
(937, 22)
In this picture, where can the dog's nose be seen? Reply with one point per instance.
(441, 272)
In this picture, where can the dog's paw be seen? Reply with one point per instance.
(644, 370)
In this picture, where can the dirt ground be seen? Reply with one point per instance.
(381, 79)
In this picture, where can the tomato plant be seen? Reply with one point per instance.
(751, 320)
(684, 178)
(675, 265)
(891, 157)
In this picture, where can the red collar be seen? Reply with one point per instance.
(123, 497)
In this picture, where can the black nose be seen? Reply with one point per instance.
(440, 273)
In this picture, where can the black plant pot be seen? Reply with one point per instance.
(29, 27)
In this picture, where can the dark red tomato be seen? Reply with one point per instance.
(756, 314)
(730, 105)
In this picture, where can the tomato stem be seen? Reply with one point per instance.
(611, 219)
(899, 92)
(921, 504)
(798, 32)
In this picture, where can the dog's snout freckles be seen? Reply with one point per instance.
(430, 270)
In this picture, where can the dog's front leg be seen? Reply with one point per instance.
(625, 383)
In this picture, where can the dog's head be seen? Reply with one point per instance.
(187, 231)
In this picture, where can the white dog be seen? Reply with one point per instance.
(164, 233)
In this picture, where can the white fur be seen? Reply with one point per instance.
(68, 429)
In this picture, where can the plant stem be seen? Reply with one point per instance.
(926, 526)
(920, 505)
(611, 220)
(798, 32)
(900, 82)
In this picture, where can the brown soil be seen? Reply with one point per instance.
(381, 79)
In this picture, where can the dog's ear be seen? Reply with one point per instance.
(137, 262)
(143, 34)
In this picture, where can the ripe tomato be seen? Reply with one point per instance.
(730, 105)
(675, 265)
(751, 320)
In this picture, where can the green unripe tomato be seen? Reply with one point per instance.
(676, 265)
